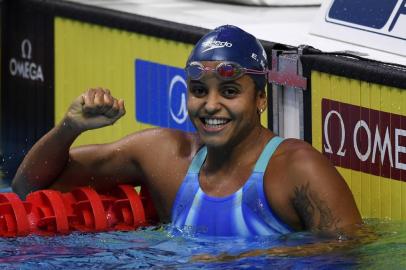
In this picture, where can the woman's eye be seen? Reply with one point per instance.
(230, 92)
(198, 91)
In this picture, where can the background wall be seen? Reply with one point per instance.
(141, 60)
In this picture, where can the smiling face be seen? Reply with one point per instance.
(224, 113)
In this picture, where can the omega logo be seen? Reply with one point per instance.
(181, 116)
(26, 49)
(369, 135)
(25, 68)
(327, 147)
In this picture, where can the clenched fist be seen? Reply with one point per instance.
(94, 109)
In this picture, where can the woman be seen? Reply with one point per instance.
(232, 177)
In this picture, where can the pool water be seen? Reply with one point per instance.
(158, 248)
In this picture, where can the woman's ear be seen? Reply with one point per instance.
(261, 101)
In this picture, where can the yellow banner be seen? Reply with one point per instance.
(361, 128)
(88, 55)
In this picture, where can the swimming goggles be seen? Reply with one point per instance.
(226, 71)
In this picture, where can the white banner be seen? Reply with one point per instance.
(376, 24)
(273, 2)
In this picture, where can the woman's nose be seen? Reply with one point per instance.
(212, 102)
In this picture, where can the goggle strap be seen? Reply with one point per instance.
(254, 71)
(235, 68)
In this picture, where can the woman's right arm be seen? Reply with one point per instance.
(51, 156)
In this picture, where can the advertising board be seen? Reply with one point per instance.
(361, 128)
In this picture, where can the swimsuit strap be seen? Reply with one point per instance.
(260, 165)
(266, 154)
(198, 160)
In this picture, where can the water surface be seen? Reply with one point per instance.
(156, 248)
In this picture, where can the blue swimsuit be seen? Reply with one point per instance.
(244, 213)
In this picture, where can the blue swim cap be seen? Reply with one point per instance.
(230, 43)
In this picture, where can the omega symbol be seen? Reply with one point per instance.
(327, 146)
(26, 49)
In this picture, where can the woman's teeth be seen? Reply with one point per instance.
(215, 122)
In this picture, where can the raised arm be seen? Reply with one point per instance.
(51, 158)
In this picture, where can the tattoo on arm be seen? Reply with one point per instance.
(314, 212)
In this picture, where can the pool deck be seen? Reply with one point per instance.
(286, 25)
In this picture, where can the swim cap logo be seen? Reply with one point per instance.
(216, 44)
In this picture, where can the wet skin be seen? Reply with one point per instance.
(301, 186)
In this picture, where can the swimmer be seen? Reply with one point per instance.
(232, 177)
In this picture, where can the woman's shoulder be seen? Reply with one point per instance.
(164, 140)
(292, 148)
(294, 154)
